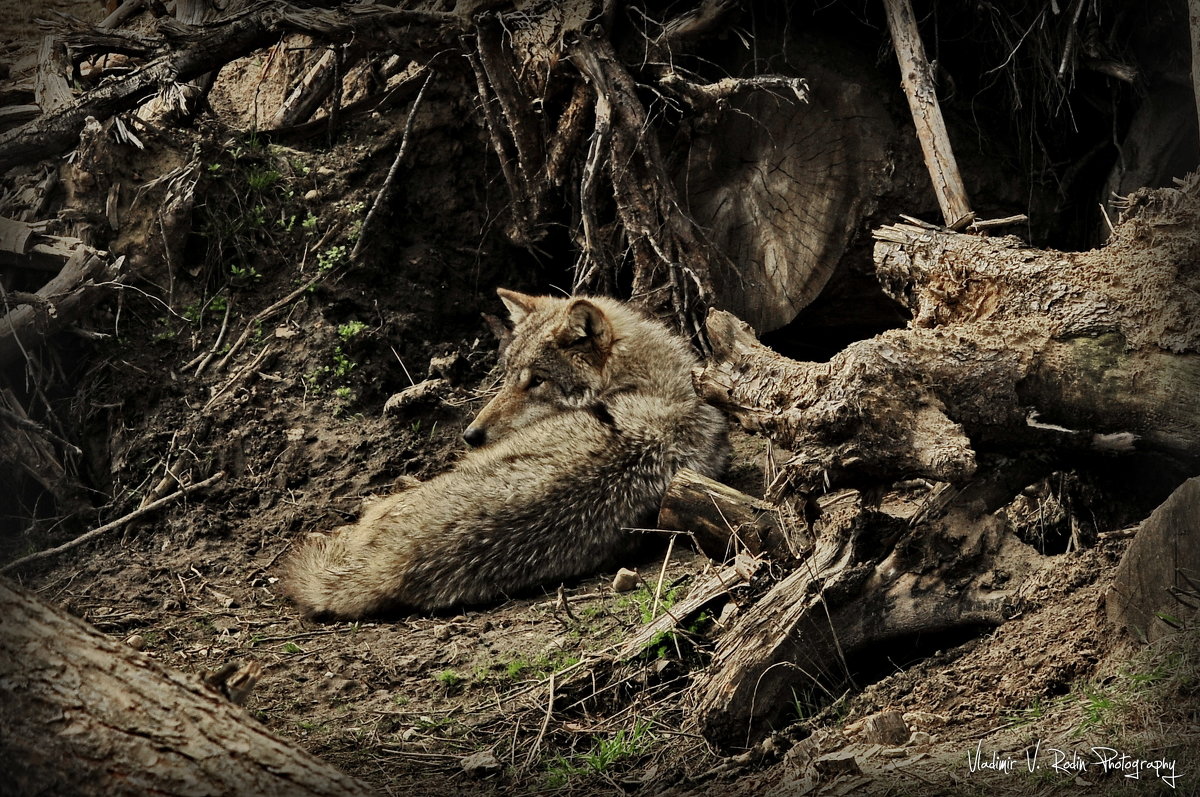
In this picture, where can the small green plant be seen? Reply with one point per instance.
(331, 257)
(448, 678)
(292, 647)
(262, 179)
(604, 756)
(350, 329)
(342, 364)
(244, 274)
(1098, 711)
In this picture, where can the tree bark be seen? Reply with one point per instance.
(82, 714)
(1033, 353)
(1010, 348)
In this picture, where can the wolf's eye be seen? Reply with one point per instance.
(534, 381)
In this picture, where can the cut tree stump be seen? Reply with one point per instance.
(1157, 585)
(82, 714)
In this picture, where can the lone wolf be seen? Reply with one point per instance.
(595, 415)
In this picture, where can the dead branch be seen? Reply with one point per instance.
(917, 79)
(725, 521)
(64, 299)
(116, 524)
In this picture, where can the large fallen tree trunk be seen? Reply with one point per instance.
(192, 52)
(82, 714)
(1032, 354)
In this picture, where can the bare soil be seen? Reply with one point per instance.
(296, 420)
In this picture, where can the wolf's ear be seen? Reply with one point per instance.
(519, 304)
(588, 330)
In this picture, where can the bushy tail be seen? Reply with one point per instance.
(318, 578)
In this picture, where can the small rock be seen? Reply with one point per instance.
(920, 739)
(832, 765)
(311, 195)
(625, 580)
(481, 764)
(427, 391)
(441, 633)
(137, 642)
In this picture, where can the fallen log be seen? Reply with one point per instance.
(207, 48)
(60, 301)
(1010, 348)
(83, 714)
(870, 582)
(1037, 354)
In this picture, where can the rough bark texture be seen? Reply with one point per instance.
(724, 521)
(1007, 346)
(1157, 583)
(82, 714)
(870, 580)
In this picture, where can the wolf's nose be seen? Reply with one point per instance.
(475, 436)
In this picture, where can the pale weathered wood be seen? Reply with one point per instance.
(1008, 345)
(52, 88)
(66, 297)
(1194, 25)
(1157, 585)
(869, 581)
(718, 584)
(723, 521)
(917, 79)
(83, 714)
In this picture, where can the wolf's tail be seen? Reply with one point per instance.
(318, 578)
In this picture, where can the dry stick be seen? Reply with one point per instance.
(205, 359)
(662, 574)
(263, 315)
(247, 368)
(537, 743)
(391, 175)
(107, 527)
(917, 79)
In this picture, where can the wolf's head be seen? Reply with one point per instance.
(554, 361)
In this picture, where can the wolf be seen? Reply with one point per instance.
(596, 413)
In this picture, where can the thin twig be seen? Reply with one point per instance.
(220, 339)
(107, 527)
(391, 175)
(263, 315)
(537, 743)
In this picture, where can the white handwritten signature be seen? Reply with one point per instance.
(1103, 759)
